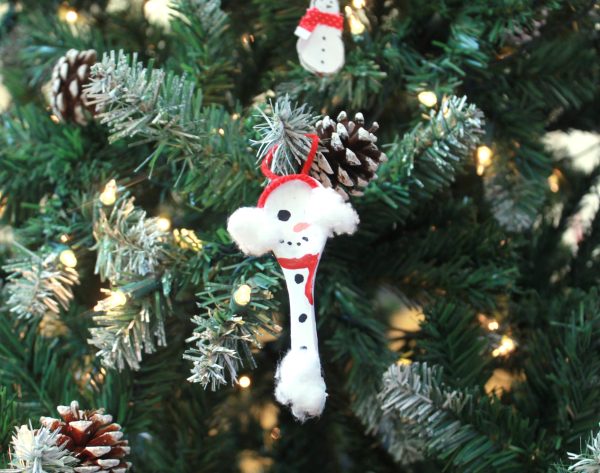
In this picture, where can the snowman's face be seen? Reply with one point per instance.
(290, 207)
(329, 6)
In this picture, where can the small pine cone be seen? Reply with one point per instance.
(350, 158)
(71, 73)
(92, 437)
(522, 35)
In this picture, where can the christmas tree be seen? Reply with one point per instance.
(450, 147)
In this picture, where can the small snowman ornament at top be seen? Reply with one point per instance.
(294, 217)
(320, 46)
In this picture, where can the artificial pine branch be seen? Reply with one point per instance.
(226, 331)
(38, 284)
(215, 355)
(285, 125)
(416, 410)
(438, 149)
(514, 199)
(414, 403)
(147, 104)
(128, 243)
(204, 27)
(123, 333)
(8, 417)
(424, 162)
(39, 450)
(588, 460)
(132, 251)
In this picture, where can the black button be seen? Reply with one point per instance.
(302, 318)
(298, 278)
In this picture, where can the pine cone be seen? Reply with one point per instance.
(70, 74)
(92, 437)
(521, 35)
(350, 158)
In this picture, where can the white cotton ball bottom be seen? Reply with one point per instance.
(299, 384)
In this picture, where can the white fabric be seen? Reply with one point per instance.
(302, 32)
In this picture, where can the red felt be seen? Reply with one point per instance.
(314, 17)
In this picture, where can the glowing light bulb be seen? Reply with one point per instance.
(242, 295)
(554, 181)
(356, 26)
(404, 361)
(64, 238)
(507, 345)
(163, 224)
(484, 158)
(151, 6)
(427, 98)
(68, 258)
(114, 300)
(187, 239)
(158, 11)
(358, 4)
(71, 16)
(244, 382)
(109, 194)
(221, 132)
(247, 40)
(493, 325)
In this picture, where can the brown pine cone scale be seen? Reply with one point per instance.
(349, 157)
(70, 74)
(92, 437)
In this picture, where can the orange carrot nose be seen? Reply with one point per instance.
(301, 226)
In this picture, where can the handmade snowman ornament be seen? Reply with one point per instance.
(294, 217)
(320, 46)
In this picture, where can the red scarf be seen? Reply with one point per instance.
(314, 17)
(309, 262)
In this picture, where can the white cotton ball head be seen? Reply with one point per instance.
(252, 230)
(299, 384)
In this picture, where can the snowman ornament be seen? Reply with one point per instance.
(294, 217)
(320, 46)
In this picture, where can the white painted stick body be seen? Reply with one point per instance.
(299, 382)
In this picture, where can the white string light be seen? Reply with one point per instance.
(109, 195)
(245, 382)
(484, 158)
(163, 224)
(242, 295)
(427, 98)
(68, 258)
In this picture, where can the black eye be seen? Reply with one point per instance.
(283, 215)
